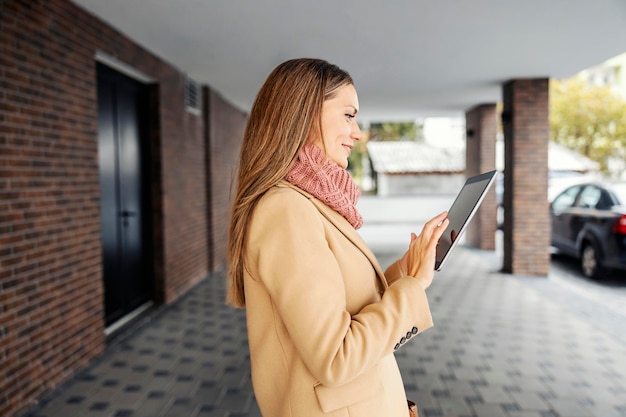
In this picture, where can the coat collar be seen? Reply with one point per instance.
(344, 227)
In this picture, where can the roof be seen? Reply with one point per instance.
(404, 157)
(560, 158)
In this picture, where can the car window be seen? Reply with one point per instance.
(566, 198)
(606, 202)
(589, 197)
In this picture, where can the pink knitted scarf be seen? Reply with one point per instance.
(324, 179)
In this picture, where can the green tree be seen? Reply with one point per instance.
(393, 131)
(589, 119)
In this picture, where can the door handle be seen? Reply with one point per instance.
(126, 214)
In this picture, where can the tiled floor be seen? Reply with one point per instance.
(502, 346)
(190, 359)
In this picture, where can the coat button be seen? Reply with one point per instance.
(408, 335)
(414, 330)
(402, 340)
(397, 346)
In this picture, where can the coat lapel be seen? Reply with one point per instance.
(345, 228)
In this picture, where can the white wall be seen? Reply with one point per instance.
(419, 184)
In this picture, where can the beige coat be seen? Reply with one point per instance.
(323, 320)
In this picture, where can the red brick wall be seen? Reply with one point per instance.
(185, 225)
(526, 219)
(226, 126)
(51, 292)
(51, 321)
(480, 148)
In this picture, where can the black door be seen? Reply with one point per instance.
(128, 281)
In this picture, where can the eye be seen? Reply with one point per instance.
(350, 116)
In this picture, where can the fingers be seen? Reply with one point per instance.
(433, 224)
(437, 221)
(434, 228)
(420, 257)
(441, 227)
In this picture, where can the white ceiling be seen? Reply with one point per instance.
(408, 58)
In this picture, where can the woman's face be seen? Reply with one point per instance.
(339, 127)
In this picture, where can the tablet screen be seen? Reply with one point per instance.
(461, 212)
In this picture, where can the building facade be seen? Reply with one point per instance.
(114, 191)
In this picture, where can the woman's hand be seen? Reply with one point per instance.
(419, 259)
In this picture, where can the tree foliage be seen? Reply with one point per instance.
(394, 131)
(589, 119)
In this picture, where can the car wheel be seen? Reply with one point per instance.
(590, 261)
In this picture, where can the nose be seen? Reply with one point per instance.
(356, 133)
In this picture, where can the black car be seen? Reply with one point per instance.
(589, 223)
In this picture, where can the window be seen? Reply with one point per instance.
(589, 197)
(565, 199)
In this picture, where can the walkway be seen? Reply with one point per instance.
(502, 346)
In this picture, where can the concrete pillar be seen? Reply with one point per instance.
(480, 156)
(526, 218)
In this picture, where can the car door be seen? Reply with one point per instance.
(561, 215)
(602, 227)
(584, 215)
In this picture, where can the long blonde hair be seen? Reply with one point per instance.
(285, 115)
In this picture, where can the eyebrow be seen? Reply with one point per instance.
(354, 108)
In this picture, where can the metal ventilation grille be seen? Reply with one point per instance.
(193, 96)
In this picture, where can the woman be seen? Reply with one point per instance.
(323, 319)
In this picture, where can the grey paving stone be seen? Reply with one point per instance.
(424, 400)
(209, 393)
(159, 384)
(569, 407)
(461, 389)
(254, 410)
(129, 397)
(530, 401)
(524, 414)
(84, 389)
(183, 386)
(454, 406)
(181, 407)
(236, 399)
(495, 394)
(496, 376)
(607, 410)
(465, 373)
(61, 407)
(489, 410)
(155, 403)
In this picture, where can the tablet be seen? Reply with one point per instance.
(461, 212)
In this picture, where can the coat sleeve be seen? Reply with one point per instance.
(288, 251)
(394, 272)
